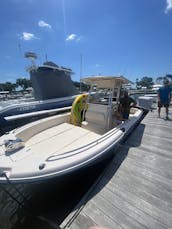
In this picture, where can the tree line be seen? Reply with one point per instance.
(11, 87)
(24, 83)
(148, 82)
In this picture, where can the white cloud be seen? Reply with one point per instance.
(74, 37)
(27, 36)
(71, 37)
(44, 24)
(169, 5)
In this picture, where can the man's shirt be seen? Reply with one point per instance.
(164, 94)
(126, 102)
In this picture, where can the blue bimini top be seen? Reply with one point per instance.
(164, 93)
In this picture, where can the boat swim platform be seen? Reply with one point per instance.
(135, 189)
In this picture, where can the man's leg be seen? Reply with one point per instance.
(159, 108)
(166, 109)
(159, 111)
(125, 116)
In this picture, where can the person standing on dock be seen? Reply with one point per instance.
(164, 97)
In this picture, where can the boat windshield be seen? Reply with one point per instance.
(105, 89)
(103, 96)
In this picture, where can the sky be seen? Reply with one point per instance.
(132, 38)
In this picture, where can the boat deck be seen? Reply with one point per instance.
(135, 190)
(60, 138)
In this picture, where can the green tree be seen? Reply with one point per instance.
(8, 86)
(23, 83)
(83, 86)
(160, 79)
(145, 82)
(1, 86)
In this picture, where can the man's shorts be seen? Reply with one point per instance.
(125, 115)
(163, 104)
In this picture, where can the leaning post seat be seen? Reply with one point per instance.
(96, 118)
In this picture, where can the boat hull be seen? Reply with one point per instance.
(37, 168)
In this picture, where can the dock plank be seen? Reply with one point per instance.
(114, 212)
(134, 213)
(150, 194)
(100, 217)
(143, 205)
(141, 172)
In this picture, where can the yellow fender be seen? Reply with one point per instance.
(78, 107)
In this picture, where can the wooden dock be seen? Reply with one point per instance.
(135, 190)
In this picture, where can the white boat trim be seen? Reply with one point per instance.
(37, 113)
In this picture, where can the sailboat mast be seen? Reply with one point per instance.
(80, 71)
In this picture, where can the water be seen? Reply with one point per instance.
(45, 204)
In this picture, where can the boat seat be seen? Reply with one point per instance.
(41, 125)
(96, 118)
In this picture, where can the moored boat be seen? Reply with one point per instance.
(64, 143)
(53, 89)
